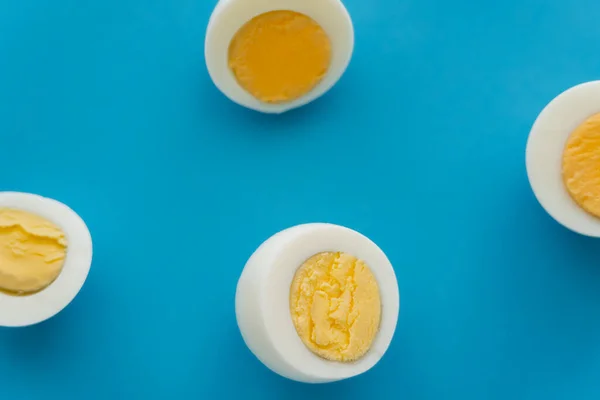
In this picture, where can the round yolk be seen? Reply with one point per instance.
(335, 306)
(581, 165)
(279, 56)
(32, 252)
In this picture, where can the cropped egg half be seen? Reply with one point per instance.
(45, 257)
(318, 303)
(563, 158)
(276, 55)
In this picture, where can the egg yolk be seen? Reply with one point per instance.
(32, 252)
(581, 165)
(279, 56)
(335, 306)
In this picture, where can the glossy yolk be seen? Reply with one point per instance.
(279, 56)
(32, 252)
(581, 165)
(335, 306)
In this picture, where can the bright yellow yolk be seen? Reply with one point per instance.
(279, 56)
(32, 252)
(581, 165)
(335, 306)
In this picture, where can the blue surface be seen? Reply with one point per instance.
(107, 106)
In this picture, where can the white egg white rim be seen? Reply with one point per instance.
(230, 15)
(17, 311)
(275, 299)
(545, 148)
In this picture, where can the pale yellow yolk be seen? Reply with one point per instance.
(335, 306)
(279, 56)
(581, 165)
(32, 252)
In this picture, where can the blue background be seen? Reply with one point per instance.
(107, 106)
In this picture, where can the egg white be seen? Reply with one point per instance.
(263, 292)
(230, 15)
(544, 154)
(17, 311)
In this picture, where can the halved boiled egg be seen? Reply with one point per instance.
(45, 257)
(318, 303)
(276, 55)
(563, 158)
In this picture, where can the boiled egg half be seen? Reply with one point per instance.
(318, 303)
(45, 257)
(563, 158)
(276, 55)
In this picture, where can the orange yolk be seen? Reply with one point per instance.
(581, 165)
(279, 56)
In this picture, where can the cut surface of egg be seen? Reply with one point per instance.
(276, 55)
(45, 257)
(563, 158)
(318, 303)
